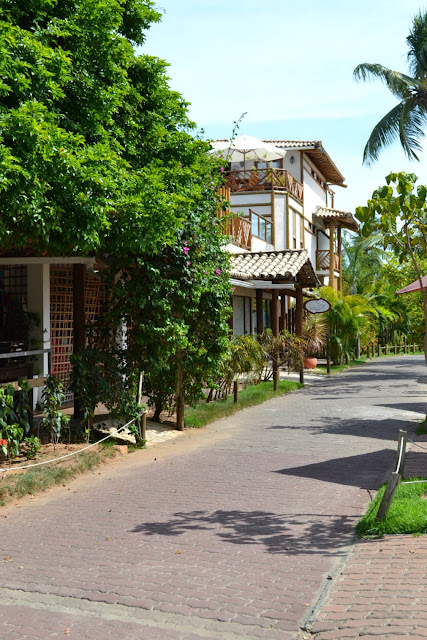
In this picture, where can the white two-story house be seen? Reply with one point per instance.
(286, 236)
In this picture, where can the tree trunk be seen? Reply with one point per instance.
(358, 348)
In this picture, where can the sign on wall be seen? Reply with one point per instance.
(319, 305)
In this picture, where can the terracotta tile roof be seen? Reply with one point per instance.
(344, 218)
(296, 144)
(291, 266)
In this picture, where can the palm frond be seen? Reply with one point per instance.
(400, 84)
(412, 119)
(383, 134)
(417, 42)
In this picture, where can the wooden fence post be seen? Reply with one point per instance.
(301, 375)
(236, 391)
(395, 349)
(388, 496)
(401, 451)
(378, 349)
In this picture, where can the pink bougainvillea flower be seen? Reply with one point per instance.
(222, 169)
(206, 384)
(233, 288)
(186, 250)
(218, 271)
(188, 263)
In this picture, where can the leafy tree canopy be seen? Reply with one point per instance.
(96, 150)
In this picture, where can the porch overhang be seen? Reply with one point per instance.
(274, 269)
(342, 219)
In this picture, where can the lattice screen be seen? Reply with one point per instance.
(61, 315)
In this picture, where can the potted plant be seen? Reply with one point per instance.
(314, 331)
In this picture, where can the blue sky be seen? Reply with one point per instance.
(290, 67)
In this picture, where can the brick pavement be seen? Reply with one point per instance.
(382, 591)
(228, 533)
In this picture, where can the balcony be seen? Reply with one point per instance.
(239, 229)
(264, 180)
(323, 260)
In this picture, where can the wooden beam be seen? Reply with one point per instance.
(259, 314)
(79, 336)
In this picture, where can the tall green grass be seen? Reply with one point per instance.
(206, 412)
(408, 512)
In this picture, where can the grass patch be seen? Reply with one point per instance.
(17, 485)
(204, 413)
(408, 512)
(421, 430)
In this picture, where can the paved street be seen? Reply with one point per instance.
(236, 531)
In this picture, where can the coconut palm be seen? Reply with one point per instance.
(408, 118)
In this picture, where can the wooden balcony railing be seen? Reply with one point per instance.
(240, 231)
(264, 180)
(323, 260)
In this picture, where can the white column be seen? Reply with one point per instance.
(38, 279)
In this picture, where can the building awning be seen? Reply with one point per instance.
(341, 218)
(292, 266)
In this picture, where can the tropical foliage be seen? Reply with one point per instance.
(348, 319)
(408, 118)
(398, 211)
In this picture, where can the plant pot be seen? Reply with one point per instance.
(310, 363)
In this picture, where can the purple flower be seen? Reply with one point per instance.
(186, 249)
(218, 271)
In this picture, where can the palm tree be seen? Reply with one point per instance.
(407, 119)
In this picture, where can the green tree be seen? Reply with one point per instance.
(398, 210)
(407, 119)
(97, 155)
(96, 151)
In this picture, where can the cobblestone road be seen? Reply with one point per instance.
(232, 532)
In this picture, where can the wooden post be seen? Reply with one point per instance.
(301, 375)
(413, 348)
(236, 391)
(143, 427)
(401, 447)
(388, 496)
(395, 349)
(179, 397)
(283, 312)
(331, 255)
(259, 314)
(404, 348)
(298, 310)
(79, 337)
(367, 352)
(275, 329)
(275, 312)
(378, 349)
(339, 250)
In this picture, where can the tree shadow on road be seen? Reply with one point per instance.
(278, 533)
